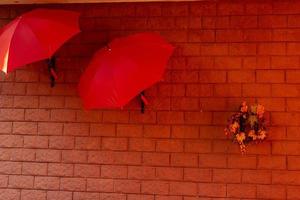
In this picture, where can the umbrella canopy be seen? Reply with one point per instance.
(35, 36)
(123, 69)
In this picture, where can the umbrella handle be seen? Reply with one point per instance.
(144, 101)
(52, 71)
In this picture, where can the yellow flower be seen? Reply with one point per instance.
(240, 137)
(260, 110)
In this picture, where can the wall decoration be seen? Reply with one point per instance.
(247, 125)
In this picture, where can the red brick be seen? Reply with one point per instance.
(293, 192)
(241, 191)
(229, 35)
(183, 103)
(17, 181)
(74, 184)
(87, 143)
(85, 195)
(256, 176)
(242, 162)
(62, 115)
(184, 160)
(185, 76)
(141, 144)
(272, 49)
(271, 162)
(83, 170)
(257, 8)
(129, 130)
(285, 8)
(11, 114)
(286, 177)
(88, 116)
(47, 155)
(56, 169)
(198, 117)
(155, 187)
(141, 172)
(258, 35)
(195, 174)
(11, 141)
(169, 146)
(157, 131)
(272, 21)
(186, 188)
(111, 171)
(127, 186)
(285, 62)
(256, 90)
(156, 159)
(103, 157)
(201, 36)
(116, 116)
(203, 8)
(214, 49)
(37, 115)
(61, 142)
(241, 76)
(169, 117)
(200, 62)
(26, 128)
(292, 76)
(175, 9)
(47, 183)
(33, 194)
(270, 76)
(230, 8)
(9, 194)
(34, 168)
(167, 173)
(100, 185)
(45, 128)
(227, 175)
(114, 144)
(35, 141)
(284, 118)
(6, 101)
(271, 191)
(185, 132)
(228, 90)
(112, 196)
(76, 129)
(102, 130)
(26, 102)
(148, 10)
(212, 190)
(195, 146)
(13, 88)
(59, 195)
(147, 118)
(243, 22)
(246, 49)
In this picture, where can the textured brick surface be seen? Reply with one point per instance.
(226, 52)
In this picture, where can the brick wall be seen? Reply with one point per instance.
(227, 52)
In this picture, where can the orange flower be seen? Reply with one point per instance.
(260, 110)
(244, 107)
(262, 135)
(233, 127)
(240, 137)
(252, 134)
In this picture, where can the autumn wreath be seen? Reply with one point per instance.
(247, 125)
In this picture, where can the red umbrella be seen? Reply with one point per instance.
(123, 69)
(35, 36)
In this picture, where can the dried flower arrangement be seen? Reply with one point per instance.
(247, 125)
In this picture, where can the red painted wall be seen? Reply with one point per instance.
(227, 52)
